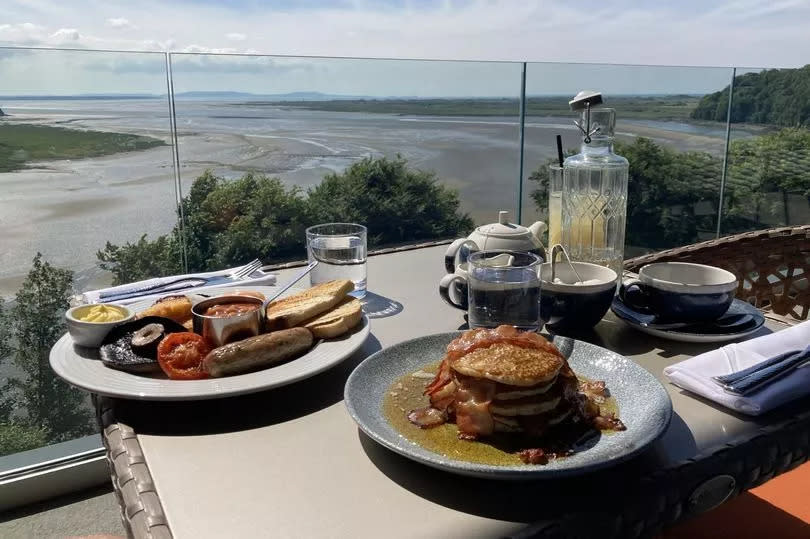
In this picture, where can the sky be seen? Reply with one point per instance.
(497, 33)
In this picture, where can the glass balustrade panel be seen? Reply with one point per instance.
(675, 157)
(86, 189)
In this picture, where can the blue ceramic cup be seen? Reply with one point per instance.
(681, 291)
(569, 305)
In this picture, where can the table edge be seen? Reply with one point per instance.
(781, 446)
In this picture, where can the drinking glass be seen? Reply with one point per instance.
(340, 249)
(555, 189)
(503, 287)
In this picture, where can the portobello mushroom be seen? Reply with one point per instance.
(133, 346)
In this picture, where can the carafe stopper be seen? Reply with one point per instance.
(584, 100)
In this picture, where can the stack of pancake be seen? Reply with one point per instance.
(503, 380)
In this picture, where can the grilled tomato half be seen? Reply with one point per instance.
(180, 356)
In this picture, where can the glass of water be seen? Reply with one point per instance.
(503, 287)
(340, 249)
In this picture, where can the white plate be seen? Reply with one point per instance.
(81, 367)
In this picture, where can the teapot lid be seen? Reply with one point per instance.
(503, 227)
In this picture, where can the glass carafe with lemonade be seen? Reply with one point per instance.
(594, 192)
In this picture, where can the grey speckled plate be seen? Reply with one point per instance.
(644, 406)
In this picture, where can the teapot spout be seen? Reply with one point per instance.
(537, 228)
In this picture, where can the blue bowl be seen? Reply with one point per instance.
(565, 306)
(681, 291)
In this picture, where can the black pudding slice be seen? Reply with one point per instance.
(118, 352)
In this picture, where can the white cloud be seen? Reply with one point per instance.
(120, 22)
(65, 35)
(732, 32)
(25, 34)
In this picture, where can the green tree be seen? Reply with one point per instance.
(773, 96)
(16, 436)
(230, 222)
(43, 403)
(6, 406)
(671, 195)
(396, 203)
(540, 178)
(131, 261)
(763, 173)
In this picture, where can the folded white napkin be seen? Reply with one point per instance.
(695, 374)
(257, 278)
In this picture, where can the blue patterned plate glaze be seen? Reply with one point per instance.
(644, 407)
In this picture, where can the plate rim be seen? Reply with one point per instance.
(680, 336)
(64, 345)
(526, 472)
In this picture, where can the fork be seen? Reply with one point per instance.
(178, 284)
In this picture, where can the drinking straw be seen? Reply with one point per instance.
(559, 150)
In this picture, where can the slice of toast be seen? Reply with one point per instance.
(338, 321)
(294, 310)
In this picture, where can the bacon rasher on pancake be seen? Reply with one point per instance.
(505, 380)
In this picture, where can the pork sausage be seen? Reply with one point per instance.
(257, 352)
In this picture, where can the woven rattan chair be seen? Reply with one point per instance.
(772, 266)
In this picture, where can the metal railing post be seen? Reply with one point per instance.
(522, 138)
(178, 185)
(725, 152)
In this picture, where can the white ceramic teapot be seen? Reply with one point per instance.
(500, 235)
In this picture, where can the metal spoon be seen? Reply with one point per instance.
(287, 286)
(558, 248)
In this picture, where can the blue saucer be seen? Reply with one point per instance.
(740, 320)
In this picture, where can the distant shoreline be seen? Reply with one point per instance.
(676, 107)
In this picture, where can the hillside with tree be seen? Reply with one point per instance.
(774, 96)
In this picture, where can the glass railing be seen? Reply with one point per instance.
(339, 147)
(675, 161)
(418, 150)
(85, 159)
(768, 174)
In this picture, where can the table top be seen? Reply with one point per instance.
(291, 460)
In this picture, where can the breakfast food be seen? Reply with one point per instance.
(177, 308)
(257, 352)
(226, 310)
(502, 380)
(181, 356)
(296, 309)
(133, 346)
(159, 337)
(338, 321)
(101, 313)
